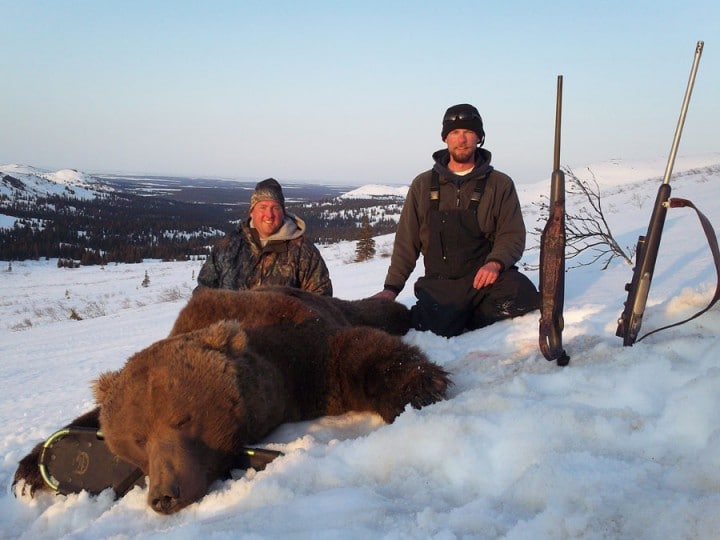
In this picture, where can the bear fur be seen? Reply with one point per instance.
(235, 366)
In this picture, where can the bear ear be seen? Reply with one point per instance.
(102, 385)
(225, 336)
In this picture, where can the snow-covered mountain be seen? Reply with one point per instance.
(377, 191)
(33, 181)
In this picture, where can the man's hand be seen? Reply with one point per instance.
(386, 293)
(487, 274)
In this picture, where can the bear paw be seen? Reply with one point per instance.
(418, 385)
(28, 479)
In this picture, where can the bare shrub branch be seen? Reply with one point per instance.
(587, 232)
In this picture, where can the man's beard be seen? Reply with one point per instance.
(463, 154)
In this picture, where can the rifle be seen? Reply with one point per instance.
(552, 257)
(647, 246)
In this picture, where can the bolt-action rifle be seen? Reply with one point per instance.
(646, 251)
(552, 256)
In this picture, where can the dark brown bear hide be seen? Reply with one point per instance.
(235, 366)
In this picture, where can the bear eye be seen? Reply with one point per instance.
(140, 440)
(184, 421)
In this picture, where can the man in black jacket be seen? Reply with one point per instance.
(465, 218)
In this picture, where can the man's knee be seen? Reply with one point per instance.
(511, 296)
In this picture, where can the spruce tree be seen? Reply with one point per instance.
(365, 248)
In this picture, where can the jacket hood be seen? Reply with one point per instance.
(482, 166)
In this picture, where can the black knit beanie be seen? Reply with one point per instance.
(463, 116)
(268, 190)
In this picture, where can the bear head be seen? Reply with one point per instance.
(182, 408)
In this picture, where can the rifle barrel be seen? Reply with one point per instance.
(558, 122)
(683, 113)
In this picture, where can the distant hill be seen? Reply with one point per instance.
(214, 190)
(377, 191)
(95, 219)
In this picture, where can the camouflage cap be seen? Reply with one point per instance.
(268, 190)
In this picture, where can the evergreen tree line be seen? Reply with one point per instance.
(115, 228)
(129, 228)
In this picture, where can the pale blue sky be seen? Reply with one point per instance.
(348, 92)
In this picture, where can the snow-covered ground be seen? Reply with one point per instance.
(622, 443)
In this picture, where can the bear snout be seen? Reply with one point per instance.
(174, 492)
(176, 478)
(165, 503)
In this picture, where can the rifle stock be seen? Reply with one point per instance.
(646, 253)
(648, 245)
(552, 257)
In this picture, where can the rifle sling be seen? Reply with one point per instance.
(713, 243)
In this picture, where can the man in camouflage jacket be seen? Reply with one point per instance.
(269, 248)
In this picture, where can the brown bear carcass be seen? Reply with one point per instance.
(236, 365)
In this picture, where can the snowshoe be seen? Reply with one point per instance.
(76, 459)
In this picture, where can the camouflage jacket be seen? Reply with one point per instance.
(241, 261)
